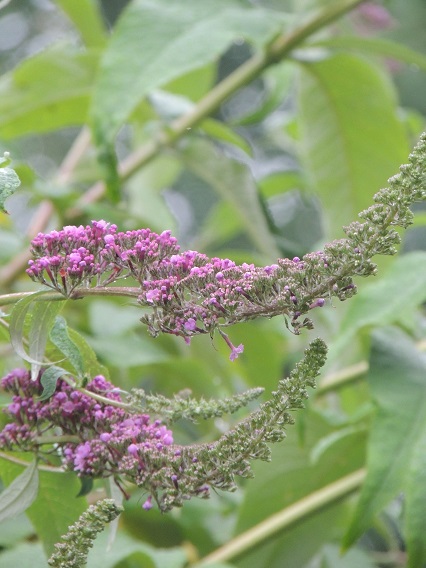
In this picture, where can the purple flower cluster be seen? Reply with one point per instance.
(95, 439)
(188, 292)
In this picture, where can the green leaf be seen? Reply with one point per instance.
(87, 18)
(125, 547)
(42, 317)
(56, 506)
(25, 554)
(234, 183)
(50, 90)
(49, 379)
(17, 322)
(92, 367)
(396, 452)
(290, 477)
(156, 42)
(377, 46)
(389, 300)
(351, 137)
(19, 495)
(332, 558)
(9, 181)
(86, 486)
(60, 337)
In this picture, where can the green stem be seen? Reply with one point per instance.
(24, 463)
(243, 75)
(287, 517)
(128, 291)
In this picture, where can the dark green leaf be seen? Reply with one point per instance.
(49, 379)
(86, 486)
(19, 495)
(60, 337)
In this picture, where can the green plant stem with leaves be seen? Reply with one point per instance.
(280, 48)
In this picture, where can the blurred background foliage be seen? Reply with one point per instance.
(180, 115)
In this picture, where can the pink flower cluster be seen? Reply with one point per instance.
(96, 439)
(188, 292)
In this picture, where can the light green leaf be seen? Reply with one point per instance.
(351, 137)
(19, 495)
(43, 315)
(25, 554)
(290, 477)
(60, 337)
(130, 350)
(377, 46)
(17, 322)
(156, 42)
(355, 558)
(87, 18)
(126, 546)
(49, 379)
(56, 506)
(50, 90)
(234, 183)
(392, 298)
(9, 183)
(223, 133)
(397, 443)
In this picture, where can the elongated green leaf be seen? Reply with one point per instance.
(391, 299)
(49, 379)
(17, 322)
(9, 183)
(19, 495)
(377, 46)
(60, 337)
(92, 367)
(396, 453)
(43, 315)
(234, 183)
(155, 42)
(48, 91)
(87, 18)
(351, 137)
(9, 180)
(56, 506)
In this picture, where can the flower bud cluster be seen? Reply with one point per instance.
(100, 440)
(95, 438)
(187, 293)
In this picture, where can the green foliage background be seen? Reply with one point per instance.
(253, 130)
